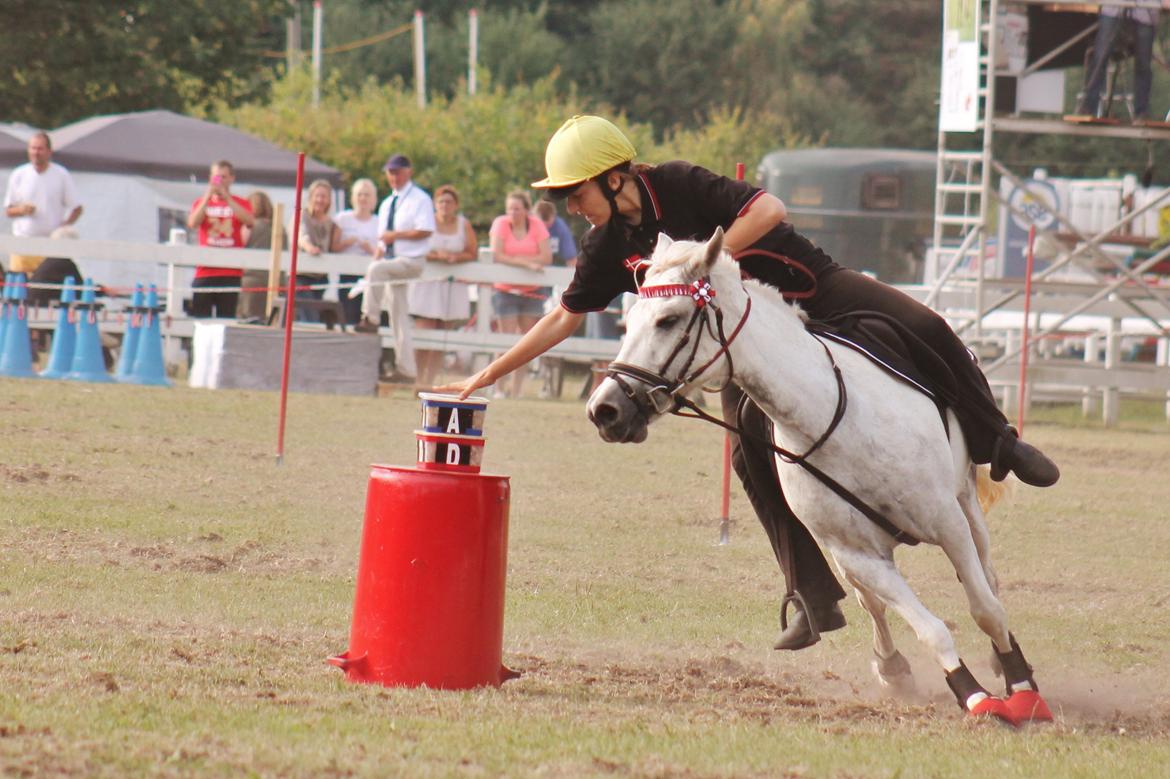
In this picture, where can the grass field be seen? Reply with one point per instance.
(168, 596)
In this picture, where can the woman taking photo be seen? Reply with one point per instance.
(519, 238)
(442, 304)
(590, 164)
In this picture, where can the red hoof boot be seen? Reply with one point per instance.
(1028, 706)
(994, 708)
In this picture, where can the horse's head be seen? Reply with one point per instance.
(676, 337)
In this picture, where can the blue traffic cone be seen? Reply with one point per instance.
(65, 336)
(88, 364)
(17, 357)
(7, 292)
(149, 367)
(130, 339)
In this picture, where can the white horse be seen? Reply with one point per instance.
(890, 450)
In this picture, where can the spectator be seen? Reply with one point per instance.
(40, 198)
(357, 233)
(560, 237)
(443, 304)
(564, 255)
(1109, 21)
(259, 236)
(316, 237)
(521, 239)
(220, 217)
(406, 219)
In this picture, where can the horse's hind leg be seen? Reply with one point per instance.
(971, 565)
(977, 524)
(889, 665)
(881, 578)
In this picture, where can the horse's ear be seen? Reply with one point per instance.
(714, 248)
(664, 242)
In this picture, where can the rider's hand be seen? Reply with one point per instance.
(466, 386)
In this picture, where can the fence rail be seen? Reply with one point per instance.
(1127, 312)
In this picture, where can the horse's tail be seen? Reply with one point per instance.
(987, 491)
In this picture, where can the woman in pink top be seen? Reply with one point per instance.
(521, 239)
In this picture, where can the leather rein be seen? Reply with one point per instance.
(665, 395)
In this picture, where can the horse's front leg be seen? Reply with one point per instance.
(889, 665)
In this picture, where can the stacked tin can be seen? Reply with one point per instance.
(451, 436)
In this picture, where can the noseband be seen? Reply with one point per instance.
(663, 395)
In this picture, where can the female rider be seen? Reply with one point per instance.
(589, 163)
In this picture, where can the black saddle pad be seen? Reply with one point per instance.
(887, 344)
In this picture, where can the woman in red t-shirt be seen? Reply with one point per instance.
(521, 239)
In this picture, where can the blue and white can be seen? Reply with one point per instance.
(448, 415)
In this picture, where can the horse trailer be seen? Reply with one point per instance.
(872, 210)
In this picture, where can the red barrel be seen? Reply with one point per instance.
(429, 606)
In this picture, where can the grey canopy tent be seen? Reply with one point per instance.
(13, 149)
(166, 145)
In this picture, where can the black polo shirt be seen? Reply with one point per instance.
(687, 203)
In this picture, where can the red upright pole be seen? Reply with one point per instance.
(290, 307)
(725, 498)
(1021, 393)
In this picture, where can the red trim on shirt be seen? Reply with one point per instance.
(748, 204)
(653, 197)
(572, 311)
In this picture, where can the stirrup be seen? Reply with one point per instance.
(810, 620)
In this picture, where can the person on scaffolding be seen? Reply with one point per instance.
(590, 165)
(1110, 20)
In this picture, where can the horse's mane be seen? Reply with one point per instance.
(679, 253)
(683, 253)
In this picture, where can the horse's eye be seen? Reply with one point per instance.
(667, 322)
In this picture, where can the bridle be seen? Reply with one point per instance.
(664, 394)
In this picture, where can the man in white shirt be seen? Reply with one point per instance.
(406, 219)
(40, 198)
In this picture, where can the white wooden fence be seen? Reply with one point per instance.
(1096, 327)
(484, 273)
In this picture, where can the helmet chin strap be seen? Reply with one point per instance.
(611, 196)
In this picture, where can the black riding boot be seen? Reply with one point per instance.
(804, 566)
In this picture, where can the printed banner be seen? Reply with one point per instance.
(959, 99)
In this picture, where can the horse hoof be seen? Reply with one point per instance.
(893, 674)
(994, 708)
(1028, 706)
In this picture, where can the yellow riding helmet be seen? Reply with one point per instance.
(584, 147)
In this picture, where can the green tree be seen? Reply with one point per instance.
(68, 60)
(664, 68)
(514, 42)
(880, 67)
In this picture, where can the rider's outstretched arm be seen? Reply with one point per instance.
(554, 327)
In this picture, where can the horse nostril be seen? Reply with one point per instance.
(603, 414)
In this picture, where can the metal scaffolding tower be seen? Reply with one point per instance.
(967, 177)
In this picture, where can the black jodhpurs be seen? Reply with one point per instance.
(804, 566)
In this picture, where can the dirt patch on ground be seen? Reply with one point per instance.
(718, 688)
(205, 553)
(33, 474)
(722, 688)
